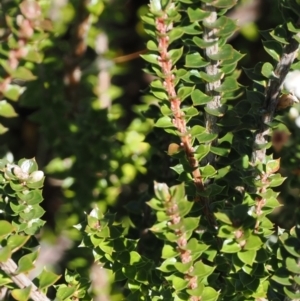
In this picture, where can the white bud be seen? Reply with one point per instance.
(292, 83)
(155, 5)
(293, 113)
(297, 121)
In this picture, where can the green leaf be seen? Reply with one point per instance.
(199, 98)
(292, 265)
(197, 130)
(16, 241)
(168, 265)
(212, 190)
(33, 197)
(34, 56)
(192, 29)
(179, 169)
(7, 110)
(228, 29)
(156, 204)
(292, 27)
(195, 60)
(227, 231)
(230, 246)
(209, 294)
(253, 242)
(282, 276)
(279, 34)
(164, 122)
(202, 151)
(21, 294)
(5, 253)
(274, 49)
(175, 34)
(202, 270)
(175, 55)
(229, 84)
(3, 129)
(290, 292)
(23, 73)
(267, 70)
(211, 78)
(276, 180)
(129, 272)
(196, 247)
(223, 149)
(47, 279)
(4, 279)
(178, 281)
(208, 171)
(197, 14)
(247, 256)
(225, 53)
(165, 110)
(272, 166)
(151, 45)
(169, 251)
(5, 228)
(206, 137)
(190, 112)
(25, 263)
(291, 244)
(160, 94)
(183, 267)
(202, 43)
(65, 292)
(151, 58)
(13, 92)
(223, 217)
(218, 112)
(184, 92)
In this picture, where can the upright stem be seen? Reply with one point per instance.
(271, 100)
(212, 69)
(179, 121)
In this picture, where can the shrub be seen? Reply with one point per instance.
(205, 231)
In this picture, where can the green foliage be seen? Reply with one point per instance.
(205, 231)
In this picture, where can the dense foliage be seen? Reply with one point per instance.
(188, 192)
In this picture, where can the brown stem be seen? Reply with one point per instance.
(21, 280)
(179, 121)
(178, 115)
(271, 99)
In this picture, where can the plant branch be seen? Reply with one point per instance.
(212, 69)
(179, 121)
(21, 280)
(162, 26)
(272, 96)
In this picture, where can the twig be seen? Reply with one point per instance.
(179, 122)
(163, 26)
(271, 99)
(211, 69)
(21, 280)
